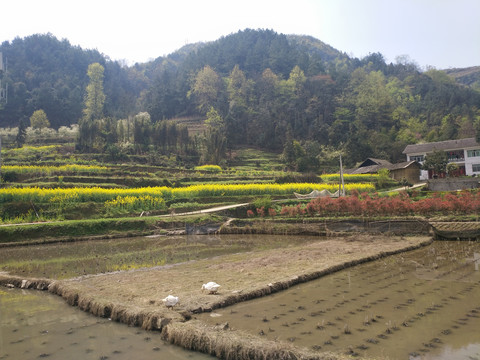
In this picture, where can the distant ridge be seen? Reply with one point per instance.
(466, 76)
(313, 46)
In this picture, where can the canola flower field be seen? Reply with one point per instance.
(97, 194)
(54, 199)
(350, 178)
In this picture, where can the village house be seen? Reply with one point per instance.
(463, 152)
(407, 170)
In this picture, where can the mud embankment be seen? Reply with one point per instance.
(444, 230)
(440, 230)
(327, 227)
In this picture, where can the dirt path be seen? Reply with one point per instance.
(403, 188)
(206, 211)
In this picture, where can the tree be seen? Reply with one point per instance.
(437, 162)
(261, 125)
(95, 97)
(411, 130)
(108, 131)
(88, 126)
(206, 89)
(87, 132)
(373, 102)
(328, 158)
(142, 130)
(448, 129)
(288, 156)
(452, 169)
(215, 140)
(164, 98)
(21, 134)
(39, 120)
(238, 89)
(297, 80)
(383, 177)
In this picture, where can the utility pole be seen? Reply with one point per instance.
(342, 184)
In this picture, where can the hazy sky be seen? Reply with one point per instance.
(439, 33)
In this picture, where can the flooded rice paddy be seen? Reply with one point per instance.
(420, 305)
(67, 260)
(424, 304)
(37, 324)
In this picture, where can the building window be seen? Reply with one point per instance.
(473, 153)
(476, 167)
(417, 158)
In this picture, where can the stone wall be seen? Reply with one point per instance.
(453, 184)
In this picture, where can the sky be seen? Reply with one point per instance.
(431, 33)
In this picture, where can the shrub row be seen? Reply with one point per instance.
(467, 202)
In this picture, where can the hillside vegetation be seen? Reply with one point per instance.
(288, 94)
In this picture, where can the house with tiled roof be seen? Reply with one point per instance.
(463, 152)
(370, 166)
(408, 170)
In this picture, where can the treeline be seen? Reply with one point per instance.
(49, 74)
(135, 135)
(291, 94)
(372, 110)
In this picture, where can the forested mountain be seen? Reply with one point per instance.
(45, 73)
(287, 93)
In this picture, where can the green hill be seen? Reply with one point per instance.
(268, 90)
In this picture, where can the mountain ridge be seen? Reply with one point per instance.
(268, 88)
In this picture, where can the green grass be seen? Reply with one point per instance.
(76, 229)
(247, 159)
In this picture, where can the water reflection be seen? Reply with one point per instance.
(418, 305)
(36, 324)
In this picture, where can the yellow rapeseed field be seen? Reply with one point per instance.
(350, 177)
(97, 194)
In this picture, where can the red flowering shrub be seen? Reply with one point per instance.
(466, 202)
(293, 210)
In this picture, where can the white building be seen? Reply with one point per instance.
(464, 152)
